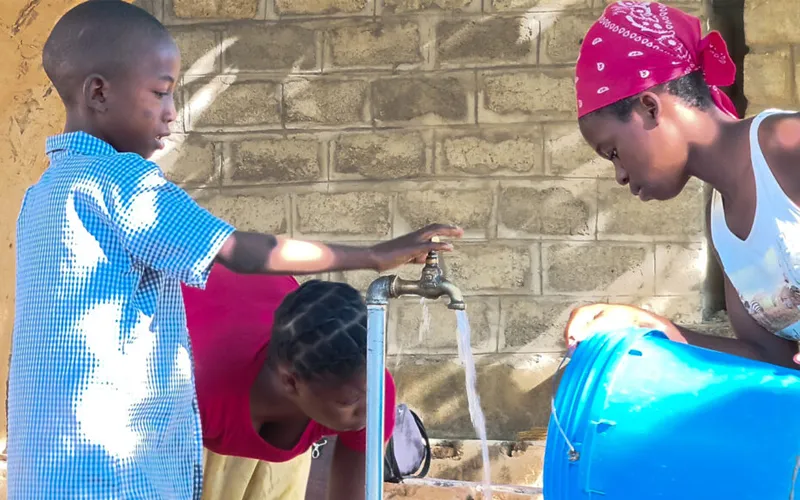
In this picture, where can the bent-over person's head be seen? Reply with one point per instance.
(319, 348)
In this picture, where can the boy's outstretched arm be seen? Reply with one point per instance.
(254, 253)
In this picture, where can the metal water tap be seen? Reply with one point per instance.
(432, 284)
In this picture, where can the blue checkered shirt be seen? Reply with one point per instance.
(102, 402)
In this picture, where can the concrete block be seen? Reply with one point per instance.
(322, 7)
(771, 22)
(471, 209)
(249, 212)
(492, 41)
(768, 77)
(450, 6)
(272, 47)
(537, 5)
(275, 159)
(380, 155)
(547, 209)
(427, 100)
(431, 328)
(355, 214)
(624, 216)
(506, 151)
(199, 51)
(594, 269)
(562, 35)
(371, 44)
(526, 96)
(515, 393)
(680, 268)
(535, 324)
(568, 155)
(686, 310)
(495, 268)
(226, 103)
(323, 102)
(189, 160)
(220, 9)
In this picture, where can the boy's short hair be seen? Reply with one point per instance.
(97, 36)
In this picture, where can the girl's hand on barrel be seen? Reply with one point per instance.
(586, 320)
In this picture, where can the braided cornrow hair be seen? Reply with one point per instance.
(320, 331)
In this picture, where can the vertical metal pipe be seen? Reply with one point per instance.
(432, 285)
(376, 363)
(377, 302)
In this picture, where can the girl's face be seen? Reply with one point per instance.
(648, 151)
(339, 406)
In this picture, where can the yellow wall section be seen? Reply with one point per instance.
(30, 110)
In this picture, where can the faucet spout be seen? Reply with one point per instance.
(430, 291)
(456, 298)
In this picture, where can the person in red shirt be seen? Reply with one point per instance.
(278, 366)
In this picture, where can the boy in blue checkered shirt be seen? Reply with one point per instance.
(101, 389)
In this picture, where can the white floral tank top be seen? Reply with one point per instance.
(765, 267)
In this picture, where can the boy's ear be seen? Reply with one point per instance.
(95, 92)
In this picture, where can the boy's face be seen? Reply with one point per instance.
(139, 103)
(648, 151)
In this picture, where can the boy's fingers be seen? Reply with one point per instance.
(442, 230)
(439, 247)
(419, 259)
(422, 250)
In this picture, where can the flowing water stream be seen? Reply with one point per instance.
(473, 400)
(464, 336)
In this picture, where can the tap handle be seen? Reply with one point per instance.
(432, 259)
(442, 266)
(435, 258)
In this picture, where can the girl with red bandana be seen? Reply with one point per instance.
(648, 100)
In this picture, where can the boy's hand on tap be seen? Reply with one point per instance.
(413, 247)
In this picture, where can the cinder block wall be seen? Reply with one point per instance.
(773, 37)
(358, 120)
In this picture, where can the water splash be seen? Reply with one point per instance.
(422, 333)
(473, 400)
(425, 324)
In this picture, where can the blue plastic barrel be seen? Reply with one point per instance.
(655, 419)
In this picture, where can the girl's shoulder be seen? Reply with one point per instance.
(779, 134)
(779, 139)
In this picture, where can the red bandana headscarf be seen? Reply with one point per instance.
(635, 46)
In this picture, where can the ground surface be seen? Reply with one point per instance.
(512, 464)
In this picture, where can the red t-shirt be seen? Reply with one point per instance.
(230, 324)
